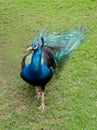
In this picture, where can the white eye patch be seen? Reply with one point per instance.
(35, 47)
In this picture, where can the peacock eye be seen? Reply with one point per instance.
(35, 47)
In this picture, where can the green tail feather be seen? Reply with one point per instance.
(63, 44)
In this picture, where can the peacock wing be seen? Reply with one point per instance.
(48, 57)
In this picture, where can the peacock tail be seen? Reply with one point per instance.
(63, 44)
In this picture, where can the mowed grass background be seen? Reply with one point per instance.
(71, 96)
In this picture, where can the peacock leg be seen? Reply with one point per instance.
(38, 93)
(42, 103)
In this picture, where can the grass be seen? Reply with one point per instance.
(71, 96)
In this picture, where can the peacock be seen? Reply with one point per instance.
(44, 56)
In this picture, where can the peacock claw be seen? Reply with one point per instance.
(38, 95)
(42, 106)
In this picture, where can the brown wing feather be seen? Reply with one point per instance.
(48, 57)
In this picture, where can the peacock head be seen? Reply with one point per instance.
(35, 45)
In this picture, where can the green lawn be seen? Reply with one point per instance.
(71, 96)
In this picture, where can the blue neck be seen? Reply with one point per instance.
(36, 61)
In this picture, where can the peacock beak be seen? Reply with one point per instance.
(29, 49)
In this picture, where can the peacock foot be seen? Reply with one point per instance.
(42, 106)
(38, 95)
